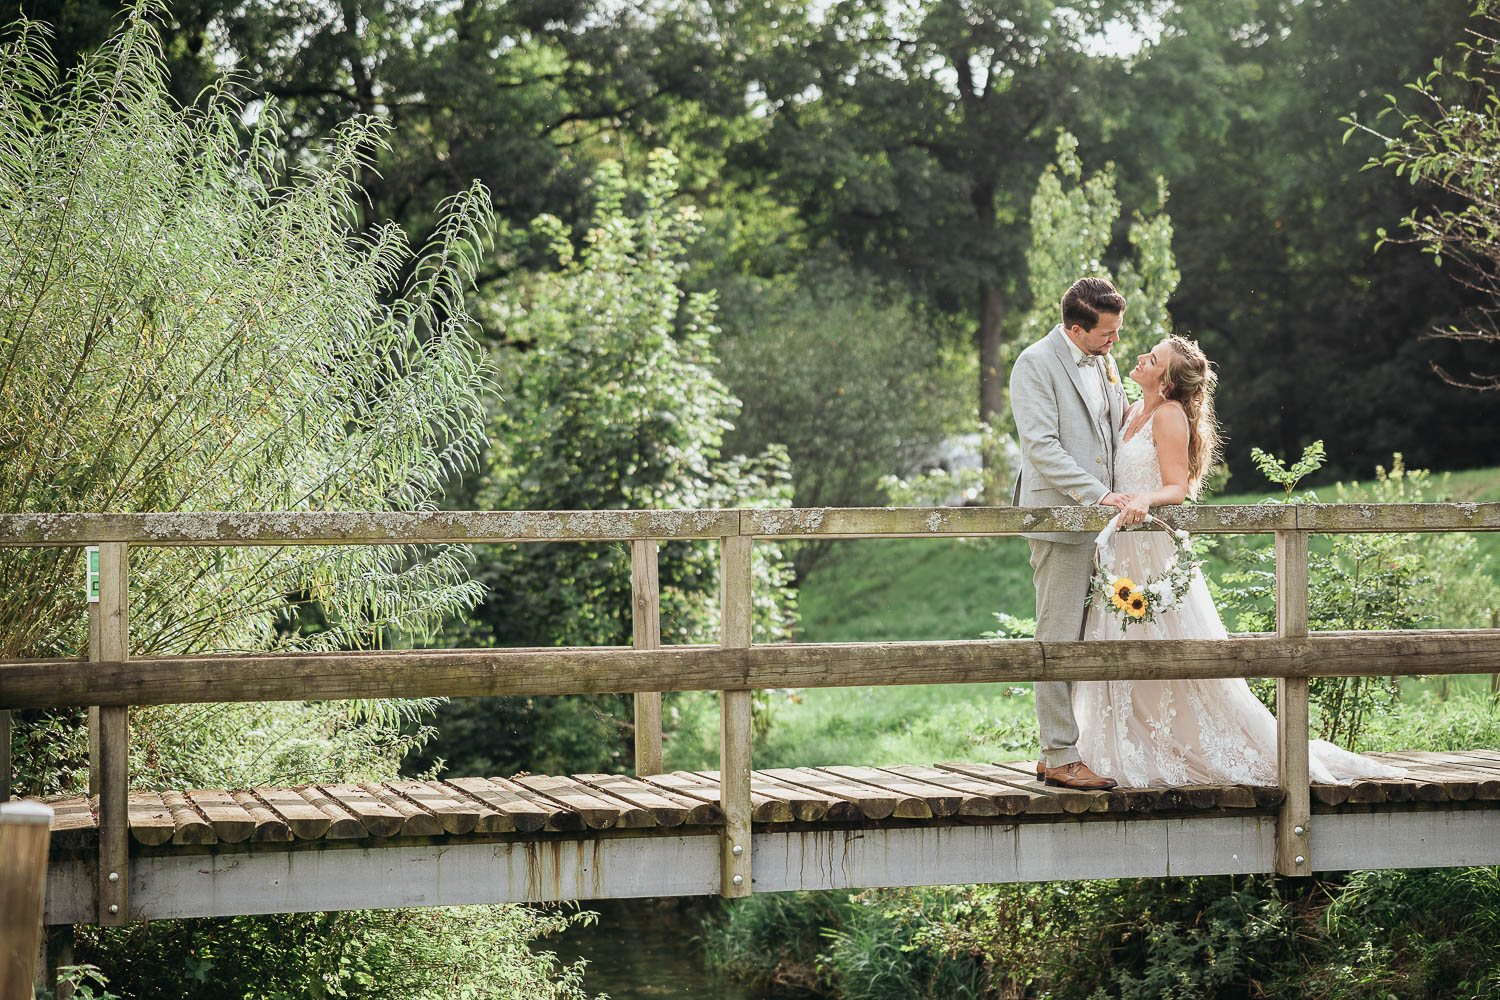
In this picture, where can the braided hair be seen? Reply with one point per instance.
(1190, 380)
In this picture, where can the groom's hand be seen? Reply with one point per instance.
(1120, 500)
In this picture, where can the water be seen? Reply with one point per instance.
(647, 949)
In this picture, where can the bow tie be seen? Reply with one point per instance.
(1088, 361)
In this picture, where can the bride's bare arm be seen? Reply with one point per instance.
(1169, 428)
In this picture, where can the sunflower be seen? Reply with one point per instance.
(1120, 590)
(1135, 604)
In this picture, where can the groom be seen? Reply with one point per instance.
(1066, 397)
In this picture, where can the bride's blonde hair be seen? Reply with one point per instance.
(1191, 380)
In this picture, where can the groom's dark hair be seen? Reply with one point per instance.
(1089, 297)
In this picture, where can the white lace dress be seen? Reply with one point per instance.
(1181, 732)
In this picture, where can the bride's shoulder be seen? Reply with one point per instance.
(1169, 415)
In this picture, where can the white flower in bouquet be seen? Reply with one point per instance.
(1161, 594)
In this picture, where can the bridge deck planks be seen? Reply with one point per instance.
(833, 794)
(452, 812)
(305, 820)
(269, 827)
(976, 798)
(415, 821)
(150, 821)
(807, 805)
(191, 828)
(516, 811)
(764, 808)
(342, 824)
(1459, 781)
(231, 822)
(665, 808)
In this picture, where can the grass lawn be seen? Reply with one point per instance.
(914, 588)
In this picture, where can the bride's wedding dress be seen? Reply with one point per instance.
(1181, 732)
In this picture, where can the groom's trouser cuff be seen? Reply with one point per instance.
(1059, 758)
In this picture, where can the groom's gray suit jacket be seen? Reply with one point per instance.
(1067, 455)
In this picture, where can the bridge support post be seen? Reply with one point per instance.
(645, 626)
(24, 832)
(1293, 822)
(111, 642)
(734, 720)
(7, 775)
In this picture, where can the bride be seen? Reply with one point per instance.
(1179, 732)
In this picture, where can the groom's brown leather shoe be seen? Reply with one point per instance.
(1077, 775)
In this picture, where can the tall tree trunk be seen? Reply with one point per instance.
(991, 336)
(992, 386)
(992, 374)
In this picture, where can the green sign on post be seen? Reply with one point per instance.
(92, 588)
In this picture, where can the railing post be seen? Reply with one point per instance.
(111, 642)
(24, 829)
(734, 720)
(645, 626)
(7, 776)
(1293, 822)
(93, 709)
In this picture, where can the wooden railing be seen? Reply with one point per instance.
(111, 680)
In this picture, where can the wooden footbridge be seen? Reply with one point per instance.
(124, 854)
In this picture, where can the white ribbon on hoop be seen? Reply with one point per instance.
(1104, 541)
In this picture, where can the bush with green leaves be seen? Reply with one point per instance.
(433, 953)
(1419, 933)
(1362, 582)
(188, 323)
(611, 401)
(855, 379)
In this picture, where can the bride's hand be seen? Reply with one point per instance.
(1136, 510)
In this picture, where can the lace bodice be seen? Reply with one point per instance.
(1177, 732)
(1137, 469)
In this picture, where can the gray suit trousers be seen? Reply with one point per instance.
(1061, 572)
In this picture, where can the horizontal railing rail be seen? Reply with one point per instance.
(175, 680)
(405, 528)
(110, 680)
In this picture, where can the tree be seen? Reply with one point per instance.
(1072, 228)
(912, 135)
(613, 403)
(1448, 145)
(527, 97)
(187, 325)
(1315, 334)
(853, 379)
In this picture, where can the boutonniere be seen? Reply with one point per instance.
(1114, 376)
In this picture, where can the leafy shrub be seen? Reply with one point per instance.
(612, 402)
(773, 940)
(1362, 582)
(190, 326)
(416, 954)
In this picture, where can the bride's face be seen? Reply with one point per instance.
(1151, 368)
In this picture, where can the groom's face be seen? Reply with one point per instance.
(1104, 335)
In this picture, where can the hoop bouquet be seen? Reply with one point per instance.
(1131, 602)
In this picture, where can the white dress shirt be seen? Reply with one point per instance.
(1093, 382)
(1093, 386)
